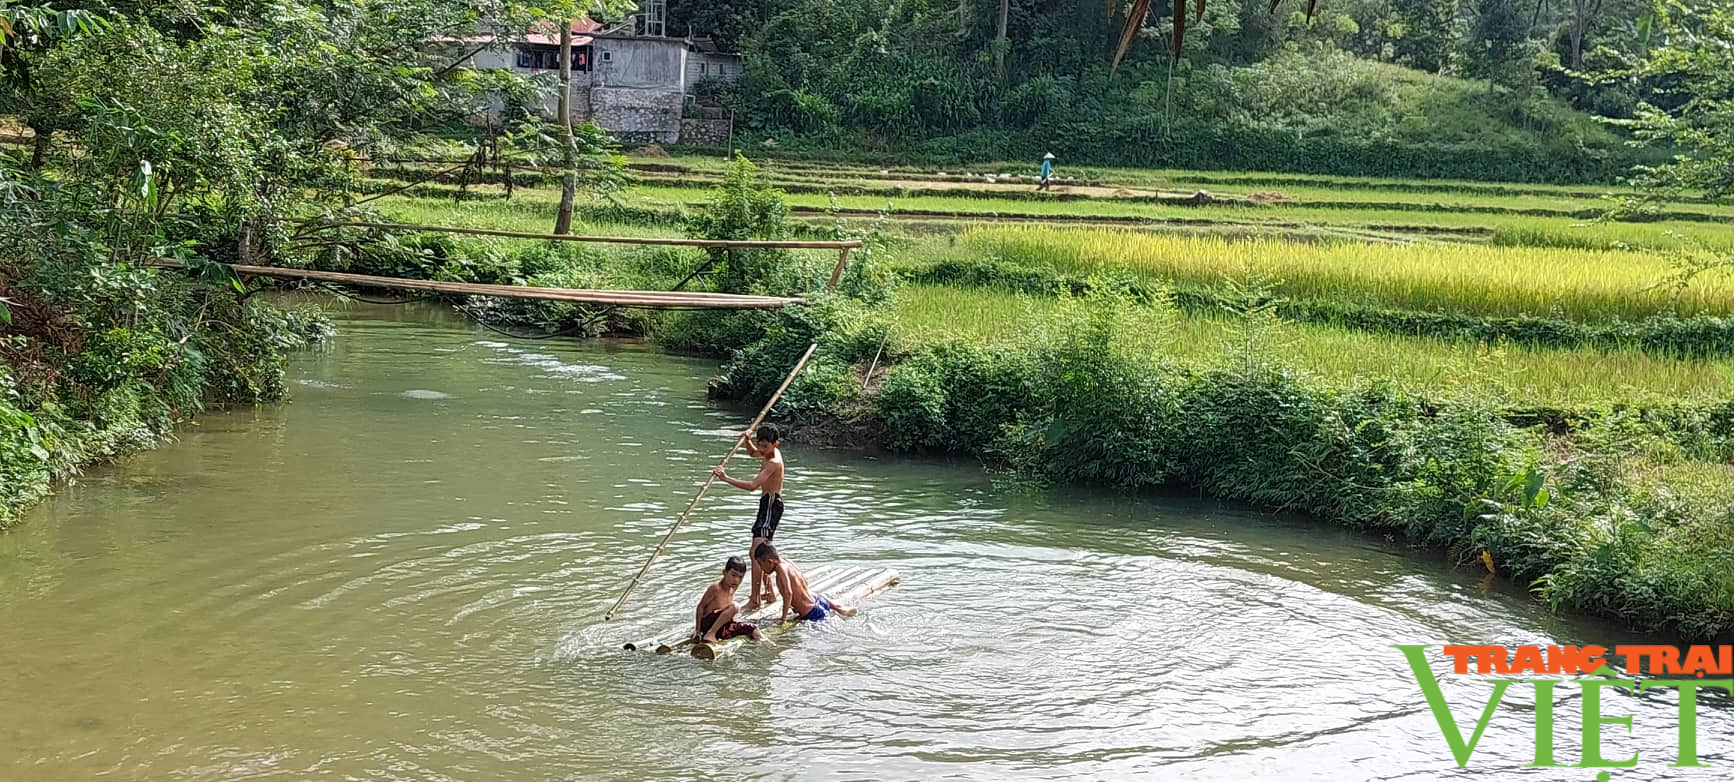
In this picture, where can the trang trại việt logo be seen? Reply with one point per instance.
(1598, 674)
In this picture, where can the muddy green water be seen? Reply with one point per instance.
(401, 574)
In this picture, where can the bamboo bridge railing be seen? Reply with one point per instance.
(618, 298)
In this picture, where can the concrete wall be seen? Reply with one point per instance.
(704, 66)
(640, 62)
(495, 58)
(636, 114)
(636, 88)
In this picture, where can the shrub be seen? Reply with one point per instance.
(911, 401)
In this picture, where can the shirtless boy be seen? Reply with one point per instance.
(716, 612)
(796, 596)
(769, 484)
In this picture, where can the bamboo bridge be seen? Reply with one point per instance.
(671, 299)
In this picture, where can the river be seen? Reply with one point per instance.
(401, 573)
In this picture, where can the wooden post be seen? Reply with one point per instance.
(710, 479)
(837, 273)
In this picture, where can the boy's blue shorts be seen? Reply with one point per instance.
(821, 609)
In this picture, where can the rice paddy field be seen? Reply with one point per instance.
(1583, 285)
(1444, 222)
(1516, 375)
(1428, 247)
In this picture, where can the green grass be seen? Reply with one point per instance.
(531, 212)
(1590, 286)
(1525, 377)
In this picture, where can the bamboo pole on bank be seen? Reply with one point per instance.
(711, 478)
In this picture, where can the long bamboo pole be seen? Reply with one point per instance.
(710, 479)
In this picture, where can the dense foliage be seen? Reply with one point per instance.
(1363, 88)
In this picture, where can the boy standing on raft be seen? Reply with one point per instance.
(793, 583)
(715, 617)
(769, 482)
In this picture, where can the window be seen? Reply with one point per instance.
(608, 56)
(701, 67)
(526, 58)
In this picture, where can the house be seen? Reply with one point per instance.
(638, 87)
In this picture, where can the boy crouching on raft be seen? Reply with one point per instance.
(793, 585)
(717, 610)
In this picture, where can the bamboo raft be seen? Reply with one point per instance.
(862, 588)
(844, 583)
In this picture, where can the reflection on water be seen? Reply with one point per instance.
(401, 574)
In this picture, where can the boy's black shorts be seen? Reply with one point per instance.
(770, 513)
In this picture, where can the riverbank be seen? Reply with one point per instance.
(87, 375)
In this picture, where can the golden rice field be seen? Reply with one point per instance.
(1585, 285)
(1522, 376)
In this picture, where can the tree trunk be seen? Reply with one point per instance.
(40, 145)
(1585, 10)
(1000, 44)
(569, 183)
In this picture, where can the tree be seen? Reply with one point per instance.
(1584, 13)
(569, 150)
(566, 13)
(728, 22)
(1001, 44)
(1693, 54)
(1497, 46)
(26, 32)
(1429, 33)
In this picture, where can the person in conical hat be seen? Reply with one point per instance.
(1047, 171)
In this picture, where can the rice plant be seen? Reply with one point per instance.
(1585, 285)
